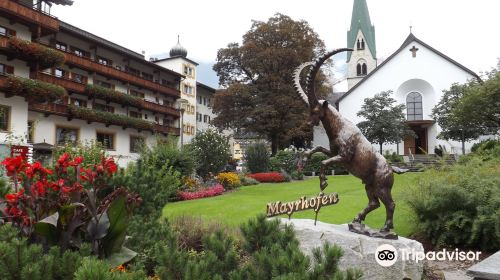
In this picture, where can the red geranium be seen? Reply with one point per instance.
(270, 177)
(14, 165)
(13, 198)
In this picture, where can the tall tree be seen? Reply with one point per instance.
(257, 75)
(385, 122)
(480, 104)
(454, 126)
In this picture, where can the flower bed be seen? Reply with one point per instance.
(109, 118)
(113, 96)
(46, 57)
(229, 180)
(270, 177)
(205, 192)
(34, 90)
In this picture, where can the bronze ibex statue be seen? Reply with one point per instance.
(349, 148)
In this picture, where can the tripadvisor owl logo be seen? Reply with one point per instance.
(386, 255)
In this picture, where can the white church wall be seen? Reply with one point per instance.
(428, 72)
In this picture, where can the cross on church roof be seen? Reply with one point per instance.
(414, 51)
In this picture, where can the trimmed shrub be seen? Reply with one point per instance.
(205, 192)
(257, 158)
(229, 180)
(211, 152)
(164, 151)
(270, 177)
(314, 165)
(247, 181)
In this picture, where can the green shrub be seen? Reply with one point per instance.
(285, 160)
(265, 252)
(94, 269)
(314, 165)
(257, 158)
(392, 157)
(211, 152)
(21, 261)
(163, 151)
(247, 181)
(459, 206)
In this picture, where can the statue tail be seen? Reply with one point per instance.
(398, 170)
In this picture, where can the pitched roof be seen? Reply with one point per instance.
(411, 38)
(360, 20)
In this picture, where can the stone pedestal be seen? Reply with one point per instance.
(359, 250)
(487, 269)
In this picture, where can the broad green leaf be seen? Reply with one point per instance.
(48, 228)
(118, 218)
(124, 256)
(98, 229)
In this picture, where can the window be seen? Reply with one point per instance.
(200, 100)
(205, 118)
(358, 70)
(136, 93)
(132, 70)
(104, 61)
(59, 73)
(198, 117)
(168, 122)
(61, 46)
(4, 31)
(361, 69)
(66, 135)
(106, 139)
(104, 84)
(136, 144)
(147, 76)
(134, 114)
(188, 89)
(414, 106)
(78, 102)
(31, 130)
(188, 71)
(103, 108)
(79, 52)
(79, 78)
(157, 119)
(6, 69)
(4, 118)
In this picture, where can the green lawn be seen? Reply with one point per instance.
(236, 207)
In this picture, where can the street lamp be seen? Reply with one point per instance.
(182, 107)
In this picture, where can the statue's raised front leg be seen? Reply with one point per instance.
(308, 154)
(324, 164)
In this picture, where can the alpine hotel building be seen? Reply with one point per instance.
(59, 83)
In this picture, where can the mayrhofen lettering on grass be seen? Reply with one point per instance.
(279, 208)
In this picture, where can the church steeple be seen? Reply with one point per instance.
(360, 21)
(361, 38)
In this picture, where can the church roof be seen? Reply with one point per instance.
(360, 20)
(411, 38)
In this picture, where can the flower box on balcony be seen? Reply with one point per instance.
(34, 90)
(46, 57)
(113, 96)
(109, 118)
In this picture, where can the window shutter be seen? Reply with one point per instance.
(9, 69)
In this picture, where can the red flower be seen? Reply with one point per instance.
(271, 177)
(13, 198)
(63, 159)
(110, 165)
(12, 165)
(76, 161)
(75, 188)
(36, 167)
(18, 213)
(56, 186)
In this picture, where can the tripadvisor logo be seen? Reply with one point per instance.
(386, 255)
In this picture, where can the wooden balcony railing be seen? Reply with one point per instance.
(31, 15)
(3, 81)
(65, 83)
(50, 109)
(4, 42)
(148, 105)
(90, 65)
(167, 129)
(62, 110)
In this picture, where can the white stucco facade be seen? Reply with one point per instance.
(427, 73)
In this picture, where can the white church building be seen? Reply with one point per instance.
(416, 73)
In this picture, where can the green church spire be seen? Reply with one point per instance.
(360, 20)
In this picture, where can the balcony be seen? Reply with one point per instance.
(167, 129)
(95, 116)
(148, 105)
(30, 15)
(65, 83)
(109, 71)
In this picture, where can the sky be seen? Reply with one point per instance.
(466, 31)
